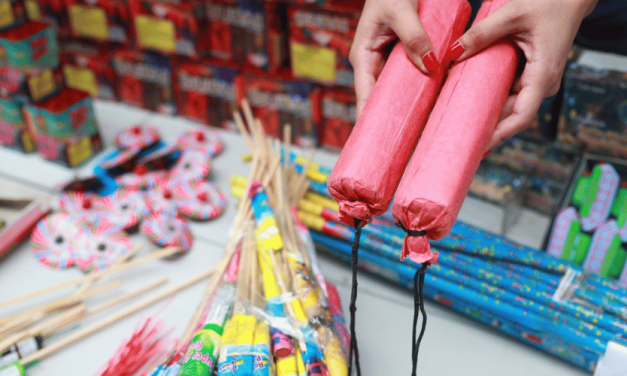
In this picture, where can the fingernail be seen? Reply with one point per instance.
(486, 153)
(431, 62)
(455, 51)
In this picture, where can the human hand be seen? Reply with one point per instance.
(381, 22)
(544, 31)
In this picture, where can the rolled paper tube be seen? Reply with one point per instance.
(262, 364)
(334, 358)
(286, 366)
(463, 120)
(566, 224)
(300, 364)
(602, 188)
(304, 288)
(372, 162)
(227, 346)
(202, 355)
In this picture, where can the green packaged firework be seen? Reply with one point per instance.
(202, 355)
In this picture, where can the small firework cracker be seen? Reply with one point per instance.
(165, 230)
(137, 137)
(193, 165)
(102, 245)
(75, 201)
(125, 208)
(162, 158)
(120, 163)
(54, 240)
(203, 141)
(140, 179)
(199, 200)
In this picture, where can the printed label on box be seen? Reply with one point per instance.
(155, 33)
(89, 21)
(32, 10)
(81, 79)
(314, 62)
(40, 85)
(6, 13)
(80, 151)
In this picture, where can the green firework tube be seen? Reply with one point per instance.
(15, 369)
(202, 355)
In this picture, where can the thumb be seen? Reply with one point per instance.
(418, 46)
(501, 23)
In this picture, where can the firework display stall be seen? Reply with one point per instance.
(185, 190)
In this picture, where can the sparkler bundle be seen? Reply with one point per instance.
(267, 309)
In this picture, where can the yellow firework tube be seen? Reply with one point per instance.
(333, 357)
(286, 366)
(300, 364)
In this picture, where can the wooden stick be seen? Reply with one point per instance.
(70, 314)
(303, 176)
(242, 129)
(106, 305)
(39, 312)
(112, 319)
(115, 263)
(287, 142)
(169, 251)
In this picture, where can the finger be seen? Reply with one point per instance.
(405, 23)
(366, 71)
(504, 21)
(525, 107)
(508, 108)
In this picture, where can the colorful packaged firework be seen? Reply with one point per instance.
(248, 32)
(144, 80)
(320, 42)
(32, 44)
(206, 93)
(338, 118)
(52, 11)
(169, 28)
(277, 102)
(13, 130)
(100, 20)
(12, 14)
(64, 127)
(88, 68)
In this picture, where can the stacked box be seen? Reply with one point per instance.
(13, 130)
(280, 101)
(51, 11)
(206, 93)
(64, 127)
(144, 80)
(172, 28)
(338, 118)
(31, 44)
(248, 33)
(89, 68)
(99, 20)
(320, 42)
(12, 13)
(594, 112)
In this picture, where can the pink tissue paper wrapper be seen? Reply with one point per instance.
(372, 162)
(450, 149)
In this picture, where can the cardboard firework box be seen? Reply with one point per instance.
(31, 44)
(62, 120)
(338, 118)
(52, 11)
(206, 93)
(13, 96)
(99, 20)
(249, 33)
(12, 13)
(278, 101)
(169, 27)
(89, 68)
(594, 111)
(320, 42)
(144, 80)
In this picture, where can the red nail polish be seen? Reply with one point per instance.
(455, 51)
(486, 153)
(431, 62)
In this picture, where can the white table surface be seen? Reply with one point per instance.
(453, 344)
